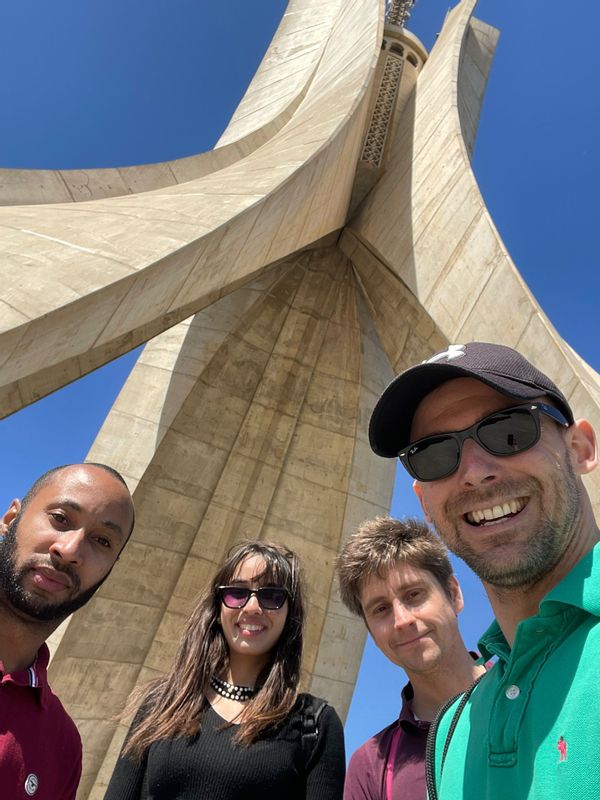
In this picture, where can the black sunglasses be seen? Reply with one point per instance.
(502, 433)
(270, 598)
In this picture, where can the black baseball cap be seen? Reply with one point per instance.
(501, 367)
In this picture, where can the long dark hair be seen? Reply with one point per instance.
(172, 705)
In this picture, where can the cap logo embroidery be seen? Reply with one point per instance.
(453, 351)
(561, 746)
(31, 784)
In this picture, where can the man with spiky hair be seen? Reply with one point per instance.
(57, 546)
(498, 460)
(397, 576)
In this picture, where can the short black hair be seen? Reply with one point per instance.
(47, 476)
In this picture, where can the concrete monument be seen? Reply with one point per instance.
(334, 236)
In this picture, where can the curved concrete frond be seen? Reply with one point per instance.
(273, 96)
(442, 242)
(86, 282)
(287, 68)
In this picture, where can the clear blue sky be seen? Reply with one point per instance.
(111, 83)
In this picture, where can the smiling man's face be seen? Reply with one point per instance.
(510, 518)
(58, 549)
(411, 618)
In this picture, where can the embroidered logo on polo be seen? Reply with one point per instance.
(31, 784)
(454, 351)
(561, 746)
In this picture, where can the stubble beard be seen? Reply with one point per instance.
(27, 603)
(544, 548)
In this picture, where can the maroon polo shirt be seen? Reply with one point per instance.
(366, 775)
(40, 748)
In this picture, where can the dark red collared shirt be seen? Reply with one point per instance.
(40, 748)
(366, 776)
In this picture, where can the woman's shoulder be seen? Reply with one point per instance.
(316, 712)
(310, 704)
(322, 732)
(147, 702)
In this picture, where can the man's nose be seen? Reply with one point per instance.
(403, 616)
(476, 466)
(68, 546)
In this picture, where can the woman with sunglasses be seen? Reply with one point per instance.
(227, 722)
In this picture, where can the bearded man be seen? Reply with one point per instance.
(58, 545)
(497, 459)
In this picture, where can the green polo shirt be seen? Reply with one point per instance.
(531, 728)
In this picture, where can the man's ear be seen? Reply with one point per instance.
(9, 515)
(418, 490)
(581, 440)
(456, 595)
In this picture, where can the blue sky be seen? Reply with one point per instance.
(113, 83)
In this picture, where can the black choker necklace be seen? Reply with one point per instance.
(231, 690)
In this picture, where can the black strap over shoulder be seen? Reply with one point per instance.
(432, 735)
(312, 708)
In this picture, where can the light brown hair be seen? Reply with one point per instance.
(381, 544)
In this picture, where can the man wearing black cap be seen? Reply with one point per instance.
(497, 459)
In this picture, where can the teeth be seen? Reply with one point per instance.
(251, 627)
(495, 512)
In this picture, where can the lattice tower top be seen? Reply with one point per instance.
(398, 11)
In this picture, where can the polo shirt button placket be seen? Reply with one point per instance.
(512, 692)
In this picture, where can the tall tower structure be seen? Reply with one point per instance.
(334, 236)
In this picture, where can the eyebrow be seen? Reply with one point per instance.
(477, 421)
(106, 523)
(256, 581)
(373, 601)
(383, 598)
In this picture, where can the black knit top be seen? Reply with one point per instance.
(210, 766)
